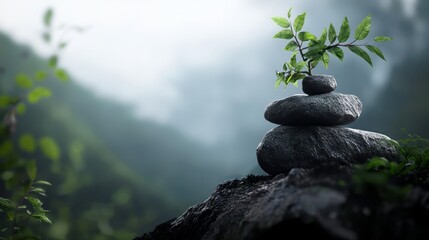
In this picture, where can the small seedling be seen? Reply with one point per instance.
(314, 50)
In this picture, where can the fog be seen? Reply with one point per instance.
(160, 56)
(186, 82)
(196, 65)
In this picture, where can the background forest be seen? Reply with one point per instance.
(124, 166)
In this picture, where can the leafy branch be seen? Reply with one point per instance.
(20, 203)
(312, 50)
(18, 209)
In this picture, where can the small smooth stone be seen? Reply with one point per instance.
(327, 109)
(284, 148)
(318, 84)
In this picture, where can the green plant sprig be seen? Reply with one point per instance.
(313, 50)
(21, 202)
(393, 180)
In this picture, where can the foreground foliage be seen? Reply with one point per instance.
(392, 180)
(21, 202)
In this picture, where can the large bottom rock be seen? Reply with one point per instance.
(284, 148)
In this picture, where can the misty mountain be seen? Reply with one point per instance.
(128, 174)
(225, 106)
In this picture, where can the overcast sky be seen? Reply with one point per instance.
(133, 47)
(141, 51)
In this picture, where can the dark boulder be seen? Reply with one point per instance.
(318, 84)
(305, 204)
(284, 148)
(319, 110)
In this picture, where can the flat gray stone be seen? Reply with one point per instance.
(284, 148)
(327, 109)
(318, 84)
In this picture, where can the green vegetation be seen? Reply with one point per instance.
(113, 176)
(45, 139)
(21, 202)
(314, 50)
(392, 180)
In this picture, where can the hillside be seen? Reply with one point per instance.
(117, 174)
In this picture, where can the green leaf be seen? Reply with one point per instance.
(295, 77)
(53, 61)
(363, 28)
(291, 46)
(289, 65)
(306, 36)
(323, 37)
(281, 21)
(27, 143)
(284, 34)
(35, 203)
(37, 94)
(61, 74)
(317, 47)
(361, 53)
(6, 148)
(376, 51)
(278, 82)
(289, 13)
(325, 60)
(315, 50)
(23, 81)
(338, 52)
(5, 101)
(41, 217)
(382, 39)
(46, 36)
(376, 163)
(62, 45)
(293, 61)
(332, 34)
(314, 62)
(300, 66)
(31, 170)
(41, 182)
(344, 31)
(39, 212)
(50, 148)
(20, 108)
(6, 204)
(39, 191)
(299, 22)
(47, 17)
(40, 75)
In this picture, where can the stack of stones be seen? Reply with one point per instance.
(312, 131)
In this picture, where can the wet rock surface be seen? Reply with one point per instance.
(318, 84)
(328, 109)
(303, 204)
(284, 148)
